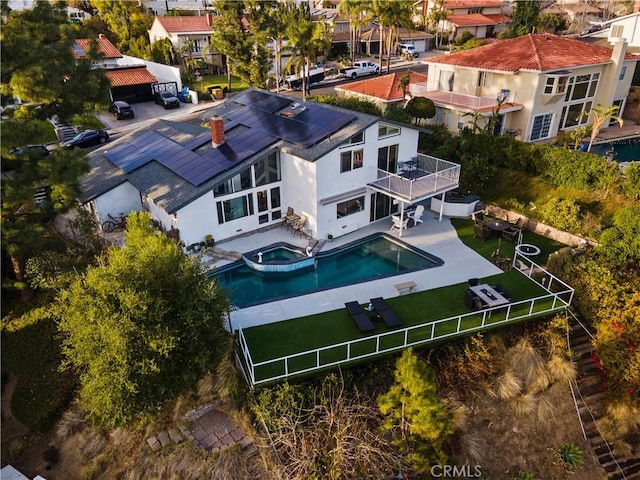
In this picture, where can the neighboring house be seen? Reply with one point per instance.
(130, 81)
(263, 153)
(627, 27)
(483, 18)
(370, 40)
(383, 91)
(161, 7)
(182, 29)
(546, 83)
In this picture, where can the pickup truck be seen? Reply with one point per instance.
(358, 69)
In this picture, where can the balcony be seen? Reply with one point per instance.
(466, 103)
(424, 177)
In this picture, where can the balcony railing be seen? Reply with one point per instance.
(558, 298)
(430, 177)
(463, 100)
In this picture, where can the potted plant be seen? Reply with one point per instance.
(209, 240)
(329, 237)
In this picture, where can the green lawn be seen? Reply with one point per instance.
(423, 308)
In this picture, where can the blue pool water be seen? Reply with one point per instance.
(627, 150)
(370, 258)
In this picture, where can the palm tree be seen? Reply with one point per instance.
(354, 10)
(306, 39)
(438, 14)
(397, 14)
(600, 115)
(378, 10)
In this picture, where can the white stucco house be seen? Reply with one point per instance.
(258, 154)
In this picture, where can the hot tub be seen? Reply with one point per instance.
(455, 204)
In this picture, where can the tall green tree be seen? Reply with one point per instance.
(142, 326)
(128, 21)
(525, 17)
(397, 14)
(415, 416)
(245, 49)
(39, 68)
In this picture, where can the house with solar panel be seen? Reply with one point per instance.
(239, 166)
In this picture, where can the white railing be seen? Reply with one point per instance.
(440, 176)
(436, 95)
(424, 333)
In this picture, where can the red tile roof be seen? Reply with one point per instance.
(451, 4)
(130, 76)
(386, 87)
(474, 19)
(185, 24)
(104, 46)
(535, 52)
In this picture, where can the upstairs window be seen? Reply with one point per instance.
(356, 139)
(556, 83)
(623, 72)
(385, 130)
(351, 160)
(484, 79)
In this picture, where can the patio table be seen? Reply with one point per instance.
(489, 295)
(497, 225)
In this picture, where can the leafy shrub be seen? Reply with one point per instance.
(397, 114)
(464, 38)
(563, 214)
(356, 104)
(571, 455)
(621, 243)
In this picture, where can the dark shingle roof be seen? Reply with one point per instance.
(169, 190)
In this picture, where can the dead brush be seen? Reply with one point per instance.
(619, 420)
(93, 445)
(72, 421)
(561, 369)
(523, 405)
(545, 411)
(508, 385)
(528, 365)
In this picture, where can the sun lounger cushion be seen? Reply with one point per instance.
(359, 315)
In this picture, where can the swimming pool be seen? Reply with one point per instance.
(627, 150)
(370, 258)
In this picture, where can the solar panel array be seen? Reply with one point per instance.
(259, 112)
(314, 123)
(194, 168)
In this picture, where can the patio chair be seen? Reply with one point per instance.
(478, 217)
(298, 228)
(472, 282)
(416, 215)
(397, 225)
(359, 315)
(469, 299)
(512, 234)
(480, 231)
(387, 315)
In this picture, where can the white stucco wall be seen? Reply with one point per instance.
(125, 199)
(164, 73)
(299, 188)
(199, 219)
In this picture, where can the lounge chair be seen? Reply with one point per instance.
(387, 315)
(417, 214)
(397, 225)
(359, 315)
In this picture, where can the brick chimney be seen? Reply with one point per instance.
(217, 131)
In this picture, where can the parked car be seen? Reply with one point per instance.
(121, 110)
(167, 100)
(86, 139)
(408, 49)
(41, 149)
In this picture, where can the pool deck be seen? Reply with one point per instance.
(436, 237)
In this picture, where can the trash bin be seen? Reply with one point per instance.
(187, 98)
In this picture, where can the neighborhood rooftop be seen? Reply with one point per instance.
(534, 52)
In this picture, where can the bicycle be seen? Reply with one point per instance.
(114, 223)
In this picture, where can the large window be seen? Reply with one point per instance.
(388, 158)
(268, 170)
(268, 200)
(235, 208)
(237, 183)
(351, 160)
(350, 207)
(581, 90)
(541, 126)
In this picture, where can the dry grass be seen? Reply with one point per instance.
(508, 385)
(523, 405)
(528, 365)
(620, 419)
(71, 422)
(561, 369)
(546, 410)
(94, 444)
